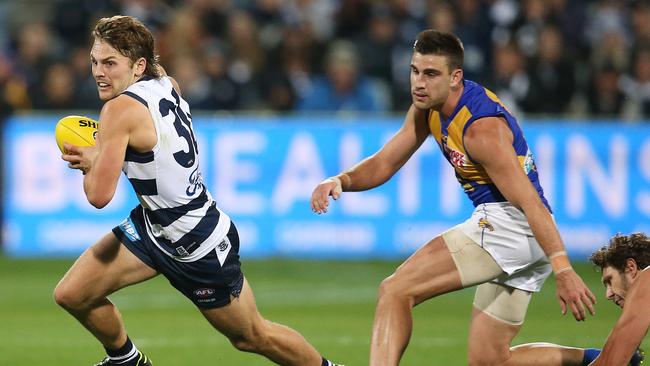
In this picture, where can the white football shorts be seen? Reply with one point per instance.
(503, 231)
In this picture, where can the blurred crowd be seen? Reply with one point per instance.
(576, 58)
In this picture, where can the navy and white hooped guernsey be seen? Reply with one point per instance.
(181, 217)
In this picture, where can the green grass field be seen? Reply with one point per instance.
(330, 303)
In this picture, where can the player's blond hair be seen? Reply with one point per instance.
(131, 38)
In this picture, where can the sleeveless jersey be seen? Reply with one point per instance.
(478, 102)
(181, 217)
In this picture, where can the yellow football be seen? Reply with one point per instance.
(76, 130)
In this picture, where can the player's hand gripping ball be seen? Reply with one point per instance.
(76, 130)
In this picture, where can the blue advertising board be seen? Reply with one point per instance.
(262, 171)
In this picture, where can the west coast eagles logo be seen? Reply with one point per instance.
(485, 224)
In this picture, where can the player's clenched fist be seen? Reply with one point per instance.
(320, 197)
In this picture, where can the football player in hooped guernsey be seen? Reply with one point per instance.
(508, 246)
(177, 230)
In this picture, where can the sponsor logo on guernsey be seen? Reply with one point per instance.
(485, 224)
(127, 228)
(204, 292)
(456, 158)
(223, 245)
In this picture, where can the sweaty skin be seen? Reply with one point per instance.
(630, 290)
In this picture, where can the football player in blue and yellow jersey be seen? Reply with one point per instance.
(508, 246)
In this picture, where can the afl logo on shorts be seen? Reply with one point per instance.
(204, 292)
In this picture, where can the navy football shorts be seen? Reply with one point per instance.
(205, 281)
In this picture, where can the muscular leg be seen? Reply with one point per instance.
(447, 263)
(490, 337)
(429, 272)
(248, 331)
(545, 354)
(489, 340)
(102, 269)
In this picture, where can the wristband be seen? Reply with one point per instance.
(345, 181)
(336, 180)
(560, 262)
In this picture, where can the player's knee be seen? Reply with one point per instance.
(68, 298)
(255, 340)
(390, 289)
(252, 343)
(64, 297)
(243, 344)
(387, 287)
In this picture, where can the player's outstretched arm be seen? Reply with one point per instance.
(375, 170)
(489, 142)
(631, 327)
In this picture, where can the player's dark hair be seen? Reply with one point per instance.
(131, 38)
(434, 42)
(620, 249)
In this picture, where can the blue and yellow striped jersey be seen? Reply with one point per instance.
(475, 103)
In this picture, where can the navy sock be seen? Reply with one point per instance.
(325, 362)
(590, 355)
(124, 354)
(122, 351)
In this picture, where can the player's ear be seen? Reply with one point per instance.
(631, 266)
(456, 78)
(140, 66)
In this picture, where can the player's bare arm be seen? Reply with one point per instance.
(120, 122)
(631, 327)
(378, 168)
(489, 142)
